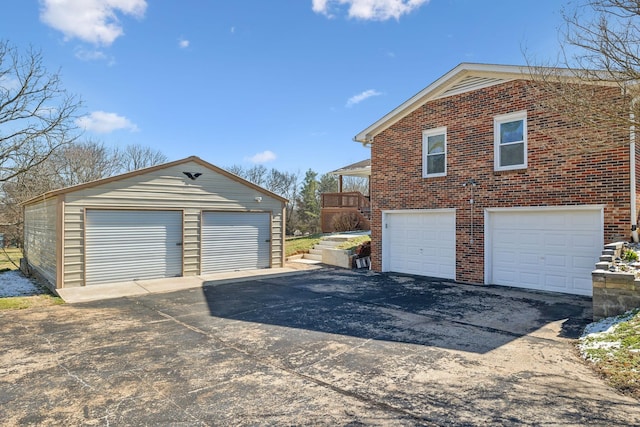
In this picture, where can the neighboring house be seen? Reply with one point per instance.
(352, 203)
(183, 218)
(470, 181)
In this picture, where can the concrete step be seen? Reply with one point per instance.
(315, 251)
(313, 257)
(327, 244)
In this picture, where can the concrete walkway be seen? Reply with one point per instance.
(153, 286)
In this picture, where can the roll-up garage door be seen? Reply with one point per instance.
(548, 249)
(421, 242)
(123, 245)
(235, 241)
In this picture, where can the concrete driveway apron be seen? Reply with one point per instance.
(326, 347)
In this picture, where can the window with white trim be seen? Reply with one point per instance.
(510, 141)
(434, 152)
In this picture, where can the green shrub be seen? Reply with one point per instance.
(630, 255)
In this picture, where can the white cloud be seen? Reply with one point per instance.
(183, 43)
(93, 21)
(103, 122)
(374, 10)
(356, 99)
(90, 54)
(264, 157)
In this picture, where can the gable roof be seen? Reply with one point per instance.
(465, 77)
(143, 171)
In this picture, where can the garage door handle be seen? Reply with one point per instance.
(179, 244)
(268, 240)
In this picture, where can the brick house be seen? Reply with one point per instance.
(473, 180)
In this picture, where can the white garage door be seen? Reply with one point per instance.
(422, 243)
(544, 249)
(132, 245)
(235, 241)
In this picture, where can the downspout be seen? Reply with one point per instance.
(632, 167)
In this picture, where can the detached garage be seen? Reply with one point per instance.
(184, 218)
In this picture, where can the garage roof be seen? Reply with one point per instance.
(152, 169)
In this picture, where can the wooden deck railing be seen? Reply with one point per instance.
(340, 203)
(353, 199)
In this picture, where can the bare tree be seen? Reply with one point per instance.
(236, 170)
(36, 113)
(595, 83)
(40, 179)
(355, 183)
(137, 156)
(285, 184)
(85, 161)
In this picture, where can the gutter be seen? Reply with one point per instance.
(632, 174)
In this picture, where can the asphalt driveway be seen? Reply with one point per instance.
(324, 347)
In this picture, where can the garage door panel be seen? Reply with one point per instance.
(421, 243)
(233, 241)
(526, 277)
(557, 261)
(132, 245)
(583, 240)
(556, 251)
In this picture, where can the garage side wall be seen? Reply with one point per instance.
(40, 237)
(167, 189)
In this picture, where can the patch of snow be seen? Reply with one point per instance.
(607, 325)
(14, 284)
(595, 335)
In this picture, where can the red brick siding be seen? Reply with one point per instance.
(557, 174)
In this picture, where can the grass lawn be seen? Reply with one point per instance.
(355, 242)
(12, 254)
(20, 303)
(613, 349)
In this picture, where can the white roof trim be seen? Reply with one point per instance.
(463, 78)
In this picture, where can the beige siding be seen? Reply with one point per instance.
(73, 246)
(191, 239)
(167, 188)
(40, 238)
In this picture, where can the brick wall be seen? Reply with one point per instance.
(560, 170)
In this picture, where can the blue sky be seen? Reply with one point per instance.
(283, 83)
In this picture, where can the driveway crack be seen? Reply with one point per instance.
(358, 396)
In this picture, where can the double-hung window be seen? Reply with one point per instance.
(510, 141)
(434, 152)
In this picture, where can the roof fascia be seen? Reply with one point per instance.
(438, 89)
